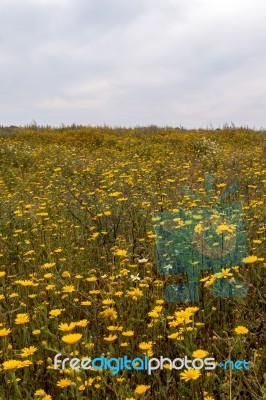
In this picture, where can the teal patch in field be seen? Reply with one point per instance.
(201, 238)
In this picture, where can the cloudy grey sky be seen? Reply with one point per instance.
(188, 63)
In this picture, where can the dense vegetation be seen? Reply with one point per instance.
(78, 257)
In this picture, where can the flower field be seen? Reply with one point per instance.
(79, 269)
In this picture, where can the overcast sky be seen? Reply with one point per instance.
(190, 63)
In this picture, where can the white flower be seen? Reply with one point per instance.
(135, 278)
(143, 260)
(168, 267)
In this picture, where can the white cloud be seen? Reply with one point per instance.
(133, 62)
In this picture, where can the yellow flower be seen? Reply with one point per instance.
(2, 273)
(48, 265)
(47, 397)
(48, 275)
(115, 194)
(121, 253)
(153, 314)
(25, 282)
(22, 319)
(140, 389)
(14, 294)
(49, 287)
(91, 279)
(226, 273)
(174, 335)
(204, 279)
(25, 363)
(107, 302)
(72, 338)
(114, 328)
(36, 332)
(55, 312)
(110, 338)
(42, 214)
(118, 293)
(39, 393)
(124, 272)
(63, 383)
(86, 303)
(225, 228)
(158, 309)
(10, 365)
(65, 274)
(128, 333)
(241, 330)
(135, 293)
(210, 281)
(249, 259)
(4, 332)
(68, 289)
(109, 313)
(82, 323)
(183, 315)
(28, 252)
(199, 353)
(28, 351)
(145, 346)
(189, 374)
(67, 327)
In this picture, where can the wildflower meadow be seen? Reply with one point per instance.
(86, 273)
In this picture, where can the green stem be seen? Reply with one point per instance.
(15, 384)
